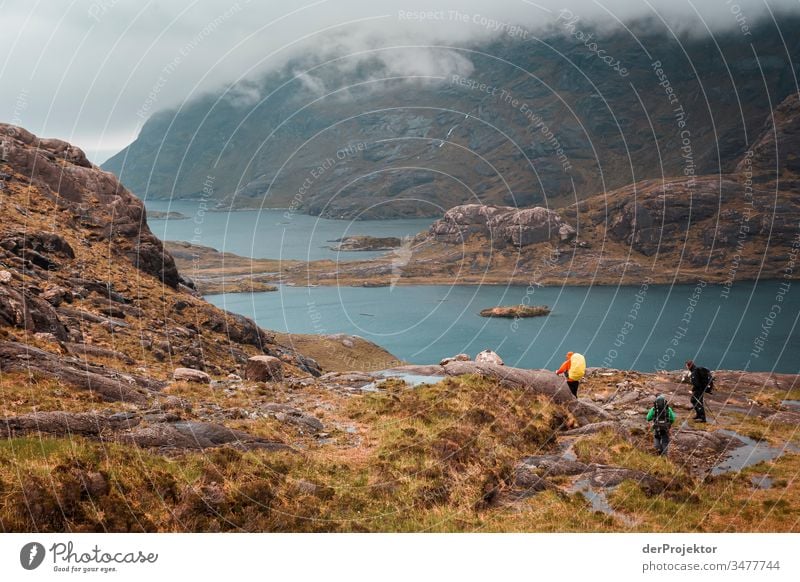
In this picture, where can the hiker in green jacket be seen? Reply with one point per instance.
(662, 417)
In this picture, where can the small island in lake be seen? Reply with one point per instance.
(516, 311)
(367, 243)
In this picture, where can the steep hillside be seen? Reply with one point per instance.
(76, 315)
(71, 241)
(773, 159)
(516, 123)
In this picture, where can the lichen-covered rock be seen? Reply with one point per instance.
(503, 225)
(526, 226)
(460, 222)
(489, 357)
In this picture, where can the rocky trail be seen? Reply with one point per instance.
(616, 402)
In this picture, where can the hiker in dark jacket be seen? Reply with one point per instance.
(662, 418)
(700, 378)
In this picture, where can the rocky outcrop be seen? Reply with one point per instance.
(135, 429)
(540, 381)
(20, 307)
(66, 423)
(38, 248)
(502, 225)
(367, 243)
(532, 470)
(89, 196)
(195, 435)
(239, 329)
(674, 215)
(107, 383)
(91, 350)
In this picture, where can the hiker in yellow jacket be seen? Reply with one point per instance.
(573, 369)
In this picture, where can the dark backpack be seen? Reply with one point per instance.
(703, 376)
(710, 385)
(661, 415)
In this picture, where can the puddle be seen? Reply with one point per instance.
(761, 481)
(412, 380)
(791, 403)
(567, 452)
(598, 500)
(751, 452)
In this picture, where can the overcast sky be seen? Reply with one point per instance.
(91, 71)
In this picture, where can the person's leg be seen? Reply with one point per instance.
(662, 442)
(697, 405)
(657, 441)
(573, 387)
(699, 408)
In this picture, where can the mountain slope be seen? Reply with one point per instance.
(517, 125)
(743, 225)
(89, 298)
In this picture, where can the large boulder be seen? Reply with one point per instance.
(264, 369)
(191, 375)
(488, 357)
(539, 381)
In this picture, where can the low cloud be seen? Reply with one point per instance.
(82, 70)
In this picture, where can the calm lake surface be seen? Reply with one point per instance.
(641, 328)
(645, 328)
(271, 234)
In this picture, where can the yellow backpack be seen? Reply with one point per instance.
(577, 366)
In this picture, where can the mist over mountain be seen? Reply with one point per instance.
(523, 120)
